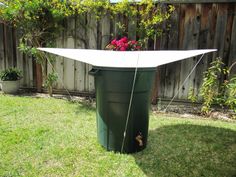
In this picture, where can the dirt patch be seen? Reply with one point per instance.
(192, 110)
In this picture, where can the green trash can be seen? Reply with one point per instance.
(113, 92)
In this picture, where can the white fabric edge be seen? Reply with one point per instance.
(126, 59)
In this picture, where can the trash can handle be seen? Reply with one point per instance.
(93, 71)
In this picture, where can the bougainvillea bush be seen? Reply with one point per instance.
(124, 44)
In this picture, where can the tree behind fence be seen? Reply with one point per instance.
(192, 26)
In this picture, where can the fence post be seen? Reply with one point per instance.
(39, 78)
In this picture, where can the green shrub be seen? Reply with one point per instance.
(210, 87)
(10, 74)
(213, 91)
(231, 93)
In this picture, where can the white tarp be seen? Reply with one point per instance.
(126, 59)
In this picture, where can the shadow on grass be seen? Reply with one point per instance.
(189, 150)
(84, 104)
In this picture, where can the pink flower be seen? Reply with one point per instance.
(123, 45)
(122, 49)
(113, 42)
(120, 43)
(126, 45)
(134, 42)
(124, 39)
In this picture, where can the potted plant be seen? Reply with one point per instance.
(10, 80)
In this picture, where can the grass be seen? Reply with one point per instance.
(52, 137)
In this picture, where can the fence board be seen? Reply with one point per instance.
(59, 63)
(14, 47)
(198, 73)
(9, 47)
(116, 30)
(19, 56)
(25, 71)
(211, 13)
(2, 57)
(173, 69)
(132, 25)
(227, 37)
(220, 30)
(106, 30)
(30, 69)
(92, 44)
(232, 53)
(190, 41)
(203, 12)
(69, 65)
(80, 43)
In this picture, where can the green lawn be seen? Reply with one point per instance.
(54, 137)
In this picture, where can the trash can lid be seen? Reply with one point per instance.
(126, 59)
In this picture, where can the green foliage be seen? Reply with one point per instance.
(41, 21)
(210, 87)
(191, 96)
(152, 17)
(215, 92)
(51, 79)
(10, 74)
(231, 93)
(38, 20)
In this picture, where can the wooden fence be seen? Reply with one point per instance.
(192, 26)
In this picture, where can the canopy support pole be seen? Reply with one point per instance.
(130, 104)
(183, 83)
